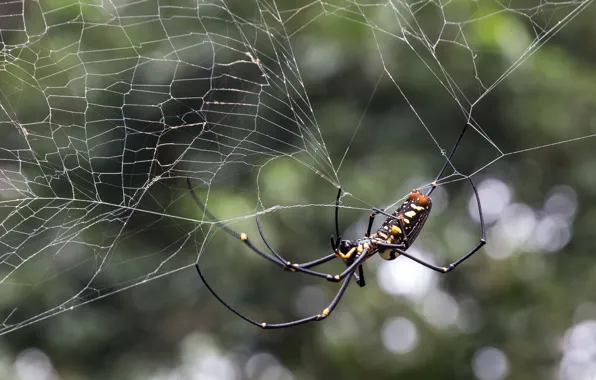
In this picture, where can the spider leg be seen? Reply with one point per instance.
(277, 259)
(316, 262)
(317, 317)
(337, 217)
(240, 236)
(360, 278)
(399, 248)
(405, 243)
(371, 219)
(447, 161)
(381, 211)
(296, 267)
(350, 269)
(390, 216)
(405, 240)
(335, 242)
(301, 267)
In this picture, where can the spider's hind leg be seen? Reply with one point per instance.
(317, 317)
(360, 277)
(450, 267)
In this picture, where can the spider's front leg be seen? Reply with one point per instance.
(335, 247)
(276, 258)
(303, 267)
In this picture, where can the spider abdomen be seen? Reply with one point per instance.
(407, 221)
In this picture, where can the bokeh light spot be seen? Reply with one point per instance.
(33, 364)
(490, 363)
(406, 277)
(494, 195)
(399, 335)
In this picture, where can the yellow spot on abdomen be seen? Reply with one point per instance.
(410, 214)
(395, 230)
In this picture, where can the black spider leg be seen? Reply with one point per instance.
(227, 229)
(337, 219)
(302, 267)
(371, 219)
(450, 267)
(335, 243)
(405, 244)
(447, 161)
(277, 259)
(401, 248)
(360, 277)
(297, 267)
(317, 317)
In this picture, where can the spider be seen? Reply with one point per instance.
(391, 240)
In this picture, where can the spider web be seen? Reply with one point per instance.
(107, 107)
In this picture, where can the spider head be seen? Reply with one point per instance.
(345, 246)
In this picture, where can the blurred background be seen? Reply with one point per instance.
(106, 108)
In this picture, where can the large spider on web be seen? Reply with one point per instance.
(391, 240)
